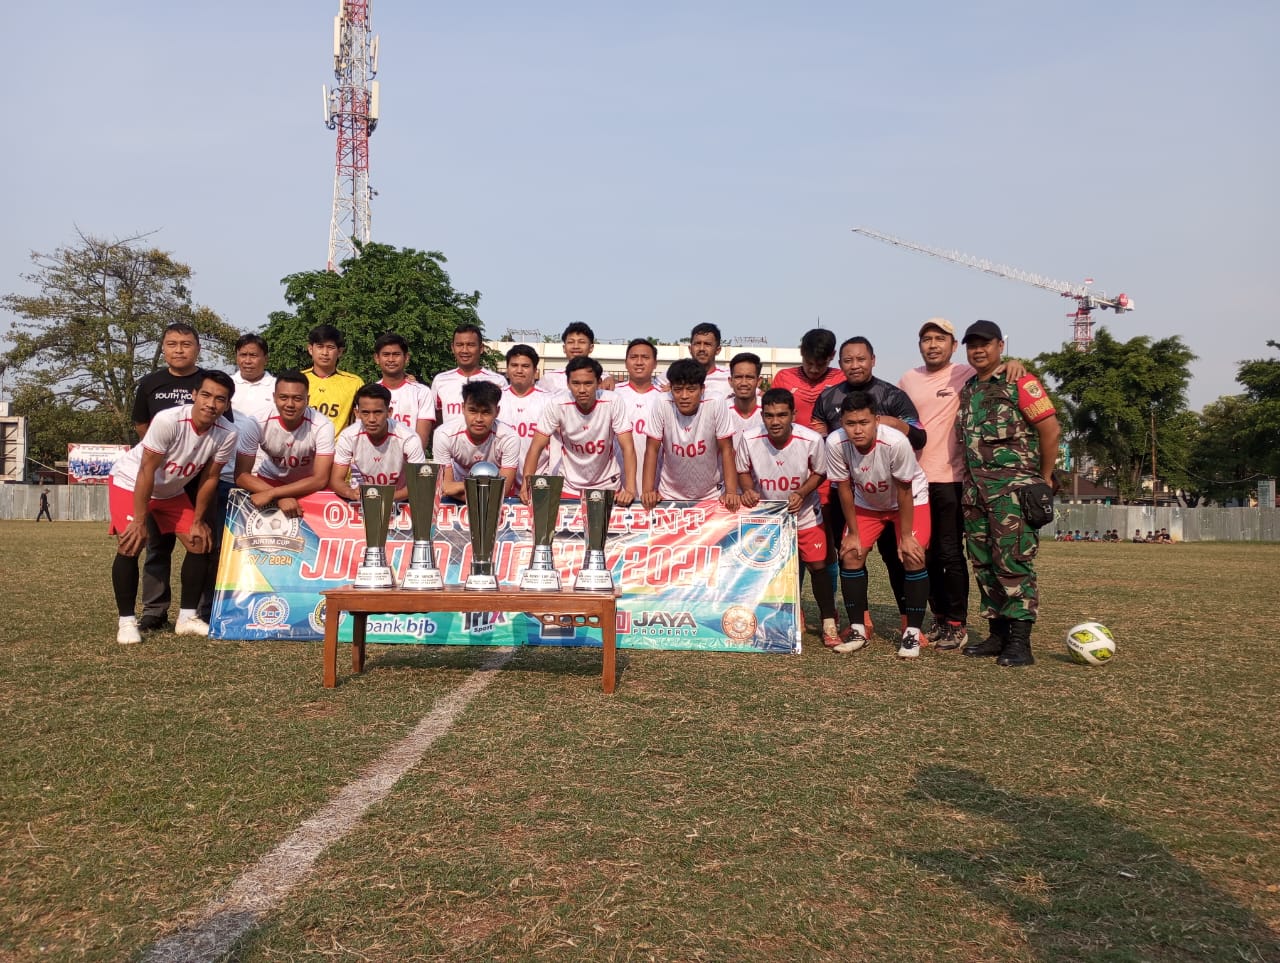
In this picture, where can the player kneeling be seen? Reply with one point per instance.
(880, 484)
(288, 454)
(147, 487)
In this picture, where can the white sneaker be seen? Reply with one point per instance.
(128, 633)
(909, 647)
(853, 640)
(191, 626)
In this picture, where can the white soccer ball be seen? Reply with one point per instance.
(1091, 643)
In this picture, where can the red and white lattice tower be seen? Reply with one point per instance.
(351, 109)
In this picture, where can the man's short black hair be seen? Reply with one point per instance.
(578, 327)
(706, 327)
(181, 327)
(326, 332)
(818, 344)
(746, 357)
(390, 338)
(857, 339)
(524, 351)
(220, 378)
(374, 391)
(469, 329)
(778, 396)
(583, 361)
(256, 340)
(293, 377)
(645, 341)
(686, 371)
(858, 401)
(482, 394)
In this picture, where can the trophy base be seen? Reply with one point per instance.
(369, 577)
(594, 580)
(481, 583)
(423, 580)
(539, 580)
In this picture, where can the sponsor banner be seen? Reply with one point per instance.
(693, 576)
(92, 464)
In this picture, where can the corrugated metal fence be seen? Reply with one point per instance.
(88, 503)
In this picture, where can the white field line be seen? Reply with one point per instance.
(227, 918)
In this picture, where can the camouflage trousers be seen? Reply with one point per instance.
(1002, 550)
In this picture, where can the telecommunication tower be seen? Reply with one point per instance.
(351, 109)
(1086, 300)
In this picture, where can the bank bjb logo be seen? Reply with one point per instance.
(269, 614)
(271, 529)
(761, 540)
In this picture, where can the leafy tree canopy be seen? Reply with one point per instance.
(381, 289)
(94, 328)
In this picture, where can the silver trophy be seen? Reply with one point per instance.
(421, 480)
(595, 575)
(541, 575)
(485, 488)
(377, 502)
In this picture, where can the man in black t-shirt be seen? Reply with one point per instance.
(167, 387)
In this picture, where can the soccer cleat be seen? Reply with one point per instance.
(852, 640)
(128, 634)
(191, 626)
(954, 635)
(937, 629)
(909, 647)
(831, 639)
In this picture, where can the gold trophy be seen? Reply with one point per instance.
(595, 575)
(420, 477)
(485, 488)
(377, 502)
(541, 575)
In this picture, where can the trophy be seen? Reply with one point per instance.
(595, 575)
(541, 575)
(376, 504)
(421, 480)
(485, 488)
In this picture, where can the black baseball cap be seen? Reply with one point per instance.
(982, 331)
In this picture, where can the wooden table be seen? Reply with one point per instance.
(595, 609)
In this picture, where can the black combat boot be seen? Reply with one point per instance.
(1017, 652)
(993, 644)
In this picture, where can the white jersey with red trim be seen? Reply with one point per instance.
(752, 422)
(409, 402)
(639, 406)
(446, 392)
(521, 413)
(382, 464)
(717, 384)
(874, 472)
(453, 446)
(780, 471)
(186, 451)
(587, 439)
(689, 463)
(283, 455)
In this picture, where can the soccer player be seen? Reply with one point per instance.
(880, 486)
(287, 454)
(690, 454)
(147, 488)
(640, 392)
(410, 401)
(588, 424)
(784, 460)
(169, 387)
(814, 375)
(704, 345)
(446, 387)
(332, 391)
(477, 436)
(578, 341)
(521, 408)
(744, 404)
(374, 449)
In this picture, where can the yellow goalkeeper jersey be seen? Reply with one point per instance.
(334, 396)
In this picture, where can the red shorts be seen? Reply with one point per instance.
(871, 524)
(812, 544)
(171, 514)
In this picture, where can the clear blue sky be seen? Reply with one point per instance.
(643, 167)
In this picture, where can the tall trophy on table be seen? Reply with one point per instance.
(423, 574)
(377, 502)
(595, 575)
(541, 575)
(485, 489)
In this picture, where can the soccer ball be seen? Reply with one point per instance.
(1091, 643)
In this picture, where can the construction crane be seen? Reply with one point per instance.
(1086, 300)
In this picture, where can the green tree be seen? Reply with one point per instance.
(94, 329)
(1119, 393)
(52, 422)
(381, 289)
(1218, 464)
(1260, 425)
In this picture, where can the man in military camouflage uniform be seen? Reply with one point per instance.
(1009, 433)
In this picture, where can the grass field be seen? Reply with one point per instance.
(717, 807)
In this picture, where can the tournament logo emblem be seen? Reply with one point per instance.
(739, 623)
(269, 614)
(760, 540)
(316, 618)
(270, 529)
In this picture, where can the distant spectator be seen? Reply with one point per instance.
(44, 506)
(1137, 536)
